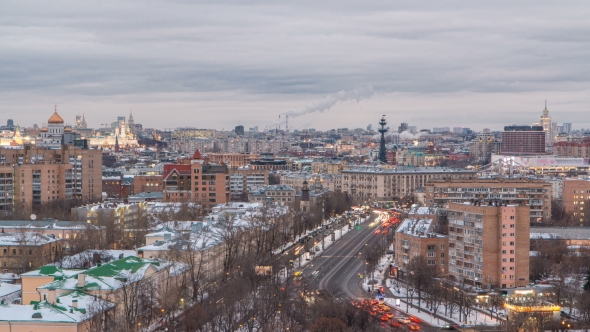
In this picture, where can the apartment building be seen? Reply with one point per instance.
(576, 196)
(370, 183)
(147, 183)
(579, 149)
(489, 245)
(43, 174)
(244, 179)
(6, 189)
(23, 251)
(127, 222)
(332, 182)
(278, 194)
(196, 181)
(534, 193)
(417, 237)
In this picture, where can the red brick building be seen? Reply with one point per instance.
(198, 181)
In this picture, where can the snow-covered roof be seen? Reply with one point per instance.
(25, 239)
(423, 210)
(418, 227)
(109, 276)
(7, 289)
(62, 311)
(44, 224)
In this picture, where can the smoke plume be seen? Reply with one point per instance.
(329, 101)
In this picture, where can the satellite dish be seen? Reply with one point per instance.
(33, 216)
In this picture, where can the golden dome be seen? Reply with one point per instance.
(67, 129)
(44, 129)
(55, 118)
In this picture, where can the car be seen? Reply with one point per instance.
(448, 328)
(403, 320)
(395, 323)
(384, 318)
(378, 231)
(414, 327)
(385, 232)
(390, 315)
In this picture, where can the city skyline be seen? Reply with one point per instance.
(223, 65)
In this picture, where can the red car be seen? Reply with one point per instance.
(414, 327)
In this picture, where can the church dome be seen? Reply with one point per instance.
(55, 119)
(44, 129)
(67, 129)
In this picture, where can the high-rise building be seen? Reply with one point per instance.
(523, 140)
(239, 130)
(548, 128)
(489, 244)
(567, 128)
(131, 123)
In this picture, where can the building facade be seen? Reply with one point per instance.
(417, 237)
(489, 245)
(534, 193)
(576, 195)
(523, 140)
(367, 183)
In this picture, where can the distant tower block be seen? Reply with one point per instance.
(383, 130)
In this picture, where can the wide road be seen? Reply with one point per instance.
(339, 267)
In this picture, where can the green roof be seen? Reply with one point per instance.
(49, 270)
(114, 268)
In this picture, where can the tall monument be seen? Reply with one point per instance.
(382, 130)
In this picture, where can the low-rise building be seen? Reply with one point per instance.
(23, 251)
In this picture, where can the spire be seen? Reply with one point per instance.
(545, 103)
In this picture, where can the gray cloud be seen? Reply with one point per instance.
(208, 63)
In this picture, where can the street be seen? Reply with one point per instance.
(339, 267)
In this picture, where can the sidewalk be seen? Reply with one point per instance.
(475, 318)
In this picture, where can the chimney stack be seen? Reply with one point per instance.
(75, 303)
(81, 280)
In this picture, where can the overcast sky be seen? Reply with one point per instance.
(217, 64)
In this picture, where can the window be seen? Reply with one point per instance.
(512, 251)
(442, 254)
(503, 234)
(431, 254)
(512, 217)
(431, 262)
(503, 260)
(503, 251)
(511, 243)
(511, 260)
(442, 247)
(511, 225)
(511, 234)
